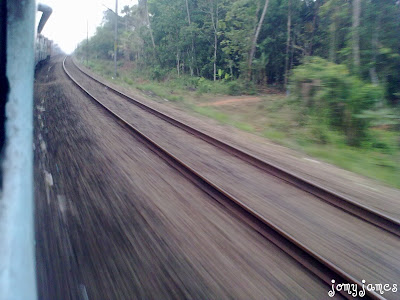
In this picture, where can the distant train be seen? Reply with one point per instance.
(43, 49)
(43, 46)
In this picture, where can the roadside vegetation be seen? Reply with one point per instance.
(325, 73)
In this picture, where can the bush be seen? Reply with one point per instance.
(157, 73)
(234, 87)
(213, 87)
(329, 93)
(190, 82)
(128, 80)
(204, 86)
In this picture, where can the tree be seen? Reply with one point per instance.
(193, 50)
(146, 13)
(289, 24)
(356, 34)
(239, 38)
(238, 32)
(255, 38)
(214, 13)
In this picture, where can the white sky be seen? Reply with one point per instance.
(67, 24)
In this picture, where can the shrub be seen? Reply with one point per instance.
(328, 92)
(128, 80)
(239, 87)
(157, 73)
(204, 86)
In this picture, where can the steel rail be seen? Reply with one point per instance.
(341, 201)
(312, 261)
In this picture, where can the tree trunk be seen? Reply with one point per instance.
(372, 70)
(190, 65)
(150, 30)
(375, 42)
(314, 24)
(178, 67)
(193, 54)
(215, 56)
(333, 29)
(214, 21)
(356, 34)
(187, 10)
(148, 23)
(289, 24)
(255, 38)
(126, 52)
(292, 52)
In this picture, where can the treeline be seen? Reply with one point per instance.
(257, 40)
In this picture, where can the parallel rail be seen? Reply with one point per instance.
(349, 205)
(312, 261)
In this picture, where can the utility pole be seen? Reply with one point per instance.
(115, 38)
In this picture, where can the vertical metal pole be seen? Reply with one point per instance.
(87, 42)
(115, 38)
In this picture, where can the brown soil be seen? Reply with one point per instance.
(232, 101)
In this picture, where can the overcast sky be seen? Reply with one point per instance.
(67, 24)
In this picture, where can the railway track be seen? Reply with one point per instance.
(349, 205)
(322, 267)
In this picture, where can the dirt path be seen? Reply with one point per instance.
(232, 101)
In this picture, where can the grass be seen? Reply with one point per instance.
(213, 113)
(368, 163)
(244, 126)
(273, 134)
(273, 118)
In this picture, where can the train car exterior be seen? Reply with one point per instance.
(20, 51)
(43, 49)
(43, 46)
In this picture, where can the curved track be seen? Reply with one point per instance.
(322, 267)
(358, 209)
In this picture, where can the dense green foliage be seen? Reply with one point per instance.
(188, 33)
(342, 56)
(331, 96)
